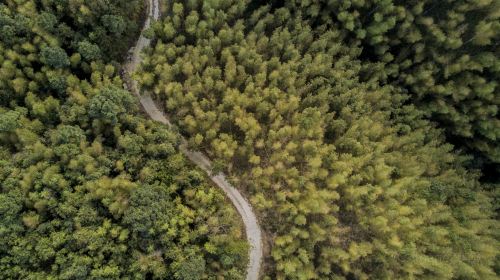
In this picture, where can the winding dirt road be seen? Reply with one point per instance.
(249, 218)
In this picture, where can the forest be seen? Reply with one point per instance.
(365, 134)
(90, 188)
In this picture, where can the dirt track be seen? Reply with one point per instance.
(253, 231)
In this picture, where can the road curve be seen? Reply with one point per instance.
(245, 210)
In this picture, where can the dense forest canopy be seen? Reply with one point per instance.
(324, 112)
(444, 54)
(89, 188)
(364, 132)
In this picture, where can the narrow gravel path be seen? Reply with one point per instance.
(249, 218)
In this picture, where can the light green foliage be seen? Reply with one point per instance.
(350, 181)
(444, 53)
(9, 121)
(89, 189)
(305, 104)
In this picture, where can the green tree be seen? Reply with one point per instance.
(54, 57)
(343, 172)
(110, 103)
(89, 51)
(191, 269)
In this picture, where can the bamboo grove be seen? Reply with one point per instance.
(334, 117)
(364, 133)
(90, 189)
